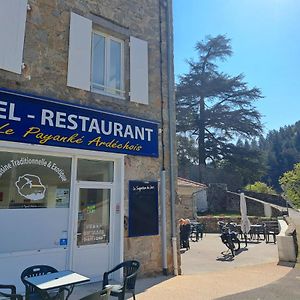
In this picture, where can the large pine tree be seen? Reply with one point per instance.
(213, 107)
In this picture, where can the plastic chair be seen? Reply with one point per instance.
(12, 294)
(130, 269)
(31, 292)
(102, 295)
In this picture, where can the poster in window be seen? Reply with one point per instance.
(62, 197)
(143, 208)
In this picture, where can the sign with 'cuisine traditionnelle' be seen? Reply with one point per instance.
(37, 120)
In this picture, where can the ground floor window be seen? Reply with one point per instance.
(34, 181)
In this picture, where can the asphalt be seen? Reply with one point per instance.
(209, 272)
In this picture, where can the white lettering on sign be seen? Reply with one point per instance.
(86, 124)
(33, 161)
(7, 111)
(143, 188)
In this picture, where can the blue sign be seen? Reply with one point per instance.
(63, 242)
(37, 120)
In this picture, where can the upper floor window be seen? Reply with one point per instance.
(96, 62)
(107, 65)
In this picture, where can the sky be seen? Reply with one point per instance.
(265, 39)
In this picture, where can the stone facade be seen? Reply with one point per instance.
(45, 74)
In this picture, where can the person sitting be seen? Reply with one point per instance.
(185, 234)
(181, 224)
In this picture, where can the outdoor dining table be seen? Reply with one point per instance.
(57, 280)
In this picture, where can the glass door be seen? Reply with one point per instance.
(91, 250)
(93, 216)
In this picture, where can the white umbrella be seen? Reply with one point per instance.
(245, 223)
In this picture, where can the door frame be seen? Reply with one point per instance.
(101, 248)
(116, 234)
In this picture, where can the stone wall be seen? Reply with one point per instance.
(185, 208)
(221, 201)
(45, 74)
(216, 197)
(273, 199)
(254, 208)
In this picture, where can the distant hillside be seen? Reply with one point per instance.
(281, 149)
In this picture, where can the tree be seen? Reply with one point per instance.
(282, 150)
(187, 155)
(290, 182)
(213, 107)
(246, 161)
(260, 187)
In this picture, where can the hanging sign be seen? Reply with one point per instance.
(37, 120)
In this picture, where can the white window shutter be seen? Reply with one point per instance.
(12, 32)
(138, 70)
(79, 62)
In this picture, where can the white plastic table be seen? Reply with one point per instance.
(57, 280)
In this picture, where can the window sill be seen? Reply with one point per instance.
(107, 94)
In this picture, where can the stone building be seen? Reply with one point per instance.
(192, 198)
(87, 122)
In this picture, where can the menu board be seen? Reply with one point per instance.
(143, 208)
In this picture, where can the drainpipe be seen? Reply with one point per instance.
(172, 124)
(164, 221)
(163, 169)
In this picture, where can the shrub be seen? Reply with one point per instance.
(260, 187)
(290, 183)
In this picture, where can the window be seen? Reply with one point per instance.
(34, 201)
(96, 61)
(107, 65)
(95, 170)
(34, 181)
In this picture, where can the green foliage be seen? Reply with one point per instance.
(290, 182)
(215, 108)
(260, 187)
(187, 155)
(245, 161)
(281, 150)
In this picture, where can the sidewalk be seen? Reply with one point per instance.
(252, 274)
(207, 274)
(257, 282)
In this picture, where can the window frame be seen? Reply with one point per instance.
(107, 42)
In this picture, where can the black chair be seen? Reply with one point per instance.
(31, 292)
(197, 230)
(130, 269)
(271, 230)
(12, 294)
